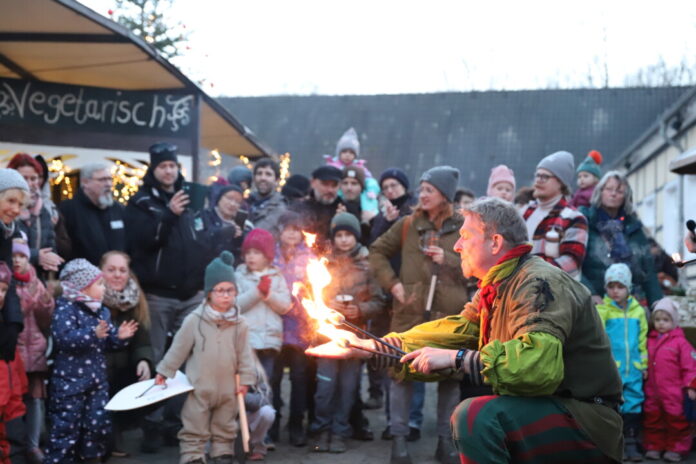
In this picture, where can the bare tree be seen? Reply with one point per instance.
(147, 19)
(661, 74)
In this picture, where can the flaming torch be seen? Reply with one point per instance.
(676, 257)
(327, 319)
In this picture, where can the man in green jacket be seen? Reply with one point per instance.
(532, 333)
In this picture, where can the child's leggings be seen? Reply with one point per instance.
(79, 426)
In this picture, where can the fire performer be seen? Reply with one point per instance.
(532, 333)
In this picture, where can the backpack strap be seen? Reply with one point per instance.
(404, 228)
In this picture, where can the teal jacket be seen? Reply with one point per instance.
(597, 260)
(628, 333)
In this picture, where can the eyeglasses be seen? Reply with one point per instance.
(390, 186)
(542, 178)
(225, 291)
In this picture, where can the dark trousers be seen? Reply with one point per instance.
(296, 360)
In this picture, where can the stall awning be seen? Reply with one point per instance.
(62, 41)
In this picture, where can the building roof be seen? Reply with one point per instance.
(473, 131)
(62, 41)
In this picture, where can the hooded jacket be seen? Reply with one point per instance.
(263, 316)
(213, 352)
(627, 330)
(167, 252)
(671, 369)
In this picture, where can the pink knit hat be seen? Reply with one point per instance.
(262, 240)
(500, 173)
(670, 307)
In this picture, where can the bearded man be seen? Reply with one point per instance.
(533, 334)
(93, 220)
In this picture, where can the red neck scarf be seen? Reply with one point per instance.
(496, 275)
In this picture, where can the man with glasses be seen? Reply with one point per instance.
(557, 230)
(93, 220)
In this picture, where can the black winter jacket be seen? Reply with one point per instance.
(93, 231)
(166, 251)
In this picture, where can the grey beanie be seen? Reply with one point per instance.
(221, 269)
(562, 165)
(444, 178)
(79, 274)
(345, 221)
(12, 179)
(349, 141)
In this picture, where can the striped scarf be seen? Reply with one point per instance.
(489, 287)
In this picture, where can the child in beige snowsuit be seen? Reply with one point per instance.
(213, 341)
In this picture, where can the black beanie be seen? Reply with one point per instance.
(160, 152)
(396, 174)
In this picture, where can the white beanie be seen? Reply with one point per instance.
(618, 272)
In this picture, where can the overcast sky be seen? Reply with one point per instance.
(258, 47)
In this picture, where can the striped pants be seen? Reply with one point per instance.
(505, 429)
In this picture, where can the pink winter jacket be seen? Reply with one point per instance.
(671, 369)
(37, 307)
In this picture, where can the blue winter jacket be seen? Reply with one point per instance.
(80, 360)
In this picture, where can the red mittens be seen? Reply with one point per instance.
(264, 285)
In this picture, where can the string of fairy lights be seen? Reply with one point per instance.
(128, 178)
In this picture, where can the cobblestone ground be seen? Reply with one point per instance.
(359, 452)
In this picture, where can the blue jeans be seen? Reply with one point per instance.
(295, 358)
(337, 384)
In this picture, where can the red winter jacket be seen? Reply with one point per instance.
(671, 369)
(13, 384)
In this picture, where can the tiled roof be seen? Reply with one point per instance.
(472, 131)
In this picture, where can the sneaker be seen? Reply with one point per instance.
(337, 444)
(671, 456)
(652, 455)
(413, 434)
(223, 459)
(270, 444)
(373, 403)
(321, 444)
(257, 457)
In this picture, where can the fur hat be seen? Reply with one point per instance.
(562, 165)
(345, 221)
(618, 272)
(500, 173)
(444, 178)
(221, 269)
(80, 274)
(669, 306)
(262, 240)
(349, 141)
(592, 164)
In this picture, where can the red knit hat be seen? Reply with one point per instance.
(262, 240)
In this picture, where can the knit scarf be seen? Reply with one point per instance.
(218, 317)
(123, 300)
(72, 293)
(489, 287)
(612, 231)
(26, 277)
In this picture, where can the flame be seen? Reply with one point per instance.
(326, 318)
(676, 257)
(310, 239)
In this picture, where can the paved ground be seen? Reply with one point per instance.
(375, 452)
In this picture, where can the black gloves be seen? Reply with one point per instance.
(8, 341)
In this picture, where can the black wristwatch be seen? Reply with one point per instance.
(459, 358)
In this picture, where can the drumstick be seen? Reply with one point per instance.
(243, 422)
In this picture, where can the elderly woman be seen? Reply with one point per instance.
(424, 240)
(616, 236)
(126, 301)
(14, 195)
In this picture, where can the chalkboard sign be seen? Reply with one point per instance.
(42, 104)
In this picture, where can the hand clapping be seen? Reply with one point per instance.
(127, 329)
